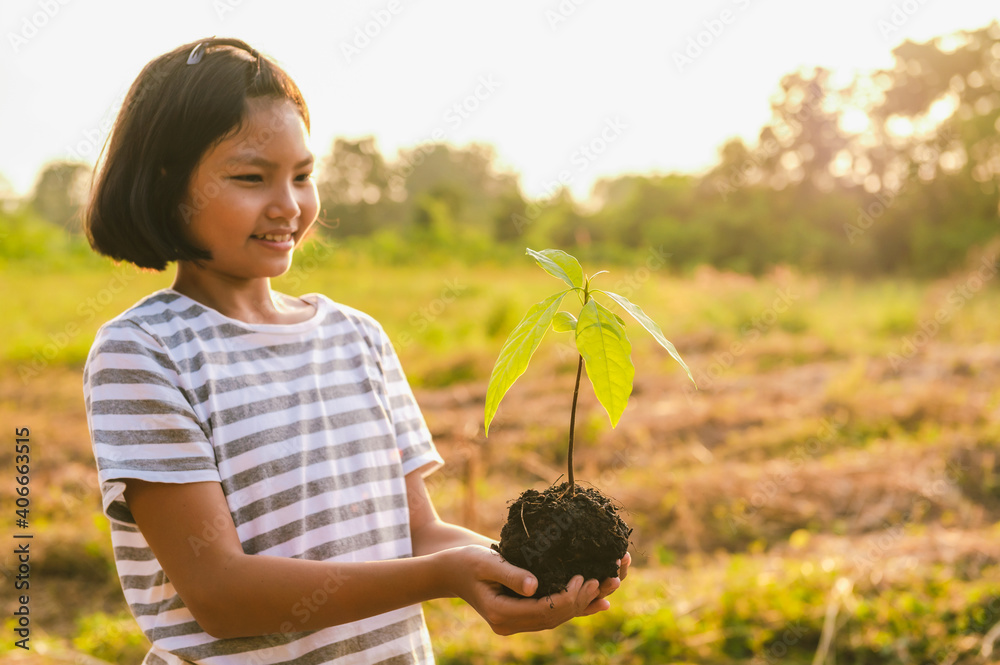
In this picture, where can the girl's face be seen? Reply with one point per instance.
(252, 198)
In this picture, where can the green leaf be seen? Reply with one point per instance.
(605, 348)
(517, 351)
(564, 322)
(651, 326)
(599, 272)
(559, 264)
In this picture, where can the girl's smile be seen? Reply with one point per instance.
(282, 242)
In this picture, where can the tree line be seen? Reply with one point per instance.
(895, 172)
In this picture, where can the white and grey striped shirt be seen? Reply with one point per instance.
(310, 428)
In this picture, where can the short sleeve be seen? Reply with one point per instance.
(416, 446)
(142, 423)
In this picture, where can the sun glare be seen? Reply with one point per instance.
(854, 121)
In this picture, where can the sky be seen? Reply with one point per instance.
(566, 90)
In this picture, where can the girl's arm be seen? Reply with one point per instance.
(234, 594)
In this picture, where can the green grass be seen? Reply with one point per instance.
(449, 321)
(745, 607)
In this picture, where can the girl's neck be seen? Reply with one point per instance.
(250, 301)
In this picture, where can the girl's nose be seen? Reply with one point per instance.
(284, 204)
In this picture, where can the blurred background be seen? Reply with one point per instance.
(805, 198)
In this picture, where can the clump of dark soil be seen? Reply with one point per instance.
(556, 536)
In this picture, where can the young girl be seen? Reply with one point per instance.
(261, 456)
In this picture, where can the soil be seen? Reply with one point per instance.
(557, 537)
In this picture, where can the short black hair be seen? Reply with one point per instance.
(182, 104)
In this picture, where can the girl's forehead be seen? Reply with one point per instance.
(269, 109)
(271, 117)
(268, 125)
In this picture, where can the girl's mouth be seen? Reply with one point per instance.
(279, 242)
(286, 237)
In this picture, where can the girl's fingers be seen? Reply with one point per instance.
(516, 579)
(569, 598)
(598, 605)
(623, 566)
(515, 615)
(609, 586)
(578, 596)
(591, 591)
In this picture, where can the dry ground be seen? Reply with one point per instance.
(878, 466)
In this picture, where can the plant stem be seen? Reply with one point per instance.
(572, 427)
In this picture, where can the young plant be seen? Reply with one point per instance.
(599, 335)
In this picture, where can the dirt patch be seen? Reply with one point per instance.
(557, 536)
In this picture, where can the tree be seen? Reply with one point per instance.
(60, 193)
(466, 179)
(354, 188)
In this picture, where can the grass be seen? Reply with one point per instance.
(457, 315)
(813, 475)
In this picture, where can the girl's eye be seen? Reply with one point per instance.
(249, 177)
(305, 177)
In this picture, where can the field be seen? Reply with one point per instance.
(830, 493)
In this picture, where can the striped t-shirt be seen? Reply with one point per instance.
(310, 428)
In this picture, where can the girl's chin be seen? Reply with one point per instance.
(274, 266)
(256, 274)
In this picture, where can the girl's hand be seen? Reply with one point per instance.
(478, 574)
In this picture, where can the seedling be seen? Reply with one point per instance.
(603, 346)
(599, 336)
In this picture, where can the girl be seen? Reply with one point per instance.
(261, 456)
